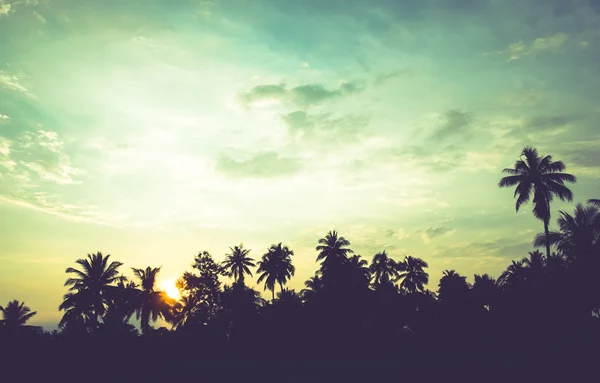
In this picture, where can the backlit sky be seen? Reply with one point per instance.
(153, 129)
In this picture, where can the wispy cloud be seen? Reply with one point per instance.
(267, 164)
(301, 95)
(520, 49)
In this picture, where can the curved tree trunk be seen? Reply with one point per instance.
(547, 232)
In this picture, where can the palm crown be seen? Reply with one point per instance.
(414, 277)
(90, 289)
(383, 268)
(579, 233)
(15, 314)
(238, 262)
(332, 248)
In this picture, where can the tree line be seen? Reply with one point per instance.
(351, 303)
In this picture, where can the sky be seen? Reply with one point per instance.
(152, 130)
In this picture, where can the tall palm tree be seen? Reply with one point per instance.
(414, 277)
(151, 303)
(15, 315)
(333, 248)
(276, 267)
(542, 177)
(578, 235)
(91, 287)
(238, 262)
(383, 268)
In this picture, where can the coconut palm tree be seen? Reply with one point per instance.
(150, 303)
(414, 277)
(383, 268)
(276, 267)
(15, 315)
(578, 235)
(333, 248)
(512, 275)
(534, 265)
(91, 288)
(313, 285)
(238, 263)
(453, 287)
(542, 177)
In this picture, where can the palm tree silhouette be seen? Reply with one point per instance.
(238, 262)
(313, 286)
(534, 265)
(485, 291)
(452, 286)
(276, 267)
(513, 274)
(579, 233)
(414, 277)
(150, 303)
(383, 268)
(15, 315)
(542, 177)
(91, 289)
(121, 308)
(333, 249)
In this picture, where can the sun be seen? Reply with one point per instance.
(169, 286)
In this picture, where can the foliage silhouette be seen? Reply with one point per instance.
(411, 271)
(90, 290)
(383, 269)
(15, 316)
(353, 321)
(238, 263)
(542, 177)
(276, 267)
(150, 303)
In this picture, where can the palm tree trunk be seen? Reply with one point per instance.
(280, 286)
(273, 291)
(547, 233)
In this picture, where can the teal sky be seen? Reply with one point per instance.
(154, 129)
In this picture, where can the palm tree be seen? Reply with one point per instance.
(485, 291)
(15, 315)
(238, 262)
(150, 303)
(276, 267)
(333, 248)
(534, 265)
(542, 177)
(579, 233)
(313, 285)
(453, 287)
(91, 289)
(512, 275)
(594, 201)
(383, 268)
(414, 277)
